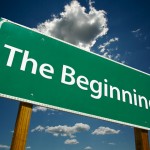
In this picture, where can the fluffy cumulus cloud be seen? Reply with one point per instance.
(88, 148)
(4, 147)
(63, 130)
(105, 130)
(67, 130)
(71, 141)
(77, 26)
(39, 108)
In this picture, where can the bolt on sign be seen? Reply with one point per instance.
(43, 70)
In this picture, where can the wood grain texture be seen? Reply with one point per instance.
(141, 139)
(21, 126)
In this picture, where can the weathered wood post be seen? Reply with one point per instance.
(141, 139)
(21, 126)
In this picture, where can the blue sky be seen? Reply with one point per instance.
(124, 38)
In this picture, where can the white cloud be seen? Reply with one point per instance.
(39, 108)
(88, 148)
(109, 52)
(71, 141)
(77, 26)
(67, 130)
(105, 130)
(38, 128)
(63, 130)
(4, 146)
(28, 147)
(111, 143)
(82, 28)
(104, 46)
(137, 33)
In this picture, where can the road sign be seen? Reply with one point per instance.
(46, 71)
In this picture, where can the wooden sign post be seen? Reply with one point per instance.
(21, 126)
(141, 139)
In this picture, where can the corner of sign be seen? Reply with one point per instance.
(2, 20)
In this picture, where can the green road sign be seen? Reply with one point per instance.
(46, 71)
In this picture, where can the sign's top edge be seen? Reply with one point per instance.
(2, 20)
